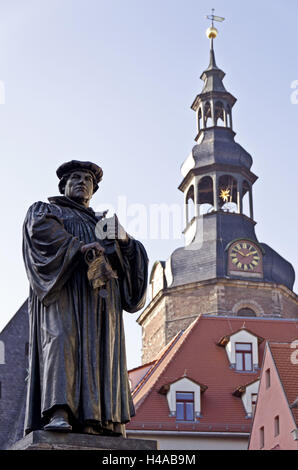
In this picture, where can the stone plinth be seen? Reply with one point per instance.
(45, 440)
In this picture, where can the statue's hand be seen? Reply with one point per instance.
(96, 246)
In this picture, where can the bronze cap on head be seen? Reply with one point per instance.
(66, 168)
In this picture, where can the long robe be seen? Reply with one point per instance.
(77, 345)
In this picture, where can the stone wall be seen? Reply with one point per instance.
(173, 309)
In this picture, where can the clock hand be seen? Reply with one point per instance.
(240, 252)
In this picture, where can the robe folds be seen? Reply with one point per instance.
(77, 347)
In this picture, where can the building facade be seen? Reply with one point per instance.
(275, 424)
(201, 390)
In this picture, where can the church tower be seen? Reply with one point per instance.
(223, 269)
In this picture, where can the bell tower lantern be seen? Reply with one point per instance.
(216, 175)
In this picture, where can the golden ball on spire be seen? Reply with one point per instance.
(211, 32)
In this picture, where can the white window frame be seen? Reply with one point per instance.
(184, 385)
(243, 336)
(251, 389)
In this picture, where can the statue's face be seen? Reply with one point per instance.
(79, 187)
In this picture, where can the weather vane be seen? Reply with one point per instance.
(212, 31)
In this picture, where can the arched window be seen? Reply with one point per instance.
(246, 312)
(245, 198)
(205, 191)
(218, 113)
(190, 205)
(207, 115)
(229, 116)
(228, 193)
(200, 119)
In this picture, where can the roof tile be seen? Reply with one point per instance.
(195, 353)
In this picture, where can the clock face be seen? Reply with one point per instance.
(245, 257)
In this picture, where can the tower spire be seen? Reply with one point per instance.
(216, 149)
(212, 63)
(213, 106)
(211, 34)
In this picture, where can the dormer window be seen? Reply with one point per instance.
(244, 356)
(184, 398)
(242, 350)
(185, 406)
(249, 394)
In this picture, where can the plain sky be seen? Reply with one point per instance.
(112, 81)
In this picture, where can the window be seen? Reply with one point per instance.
(254, 397)
(244, 356)
(190, 205)
(262, 437)
(185, 406)
(242, 350)
(246, 312)
(267, 378)
(184, 398)
(276, 426)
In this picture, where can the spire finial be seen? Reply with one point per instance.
(212, 31)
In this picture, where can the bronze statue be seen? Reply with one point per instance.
(79, 286)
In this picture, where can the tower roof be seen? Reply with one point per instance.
(213, 83)
(213, 75)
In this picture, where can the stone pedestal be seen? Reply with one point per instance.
(45, 440)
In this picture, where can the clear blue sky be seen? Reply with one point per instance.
(112, 81)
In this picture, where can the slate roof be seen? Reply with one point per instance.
(195, 353)
(208, 259)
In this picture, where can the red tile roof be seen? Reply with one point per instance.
(225, 339)
(137, 374)
(195, 353)
(287, 371)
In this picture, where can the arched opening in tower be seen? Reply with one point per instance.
(190, 205)
(205, 195)
(219, 114)
(228, 193)
(245, 198)
(207, 115)
(229, 116)
(200, 120)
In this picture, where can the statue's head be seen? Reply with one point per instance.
(79, 180)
